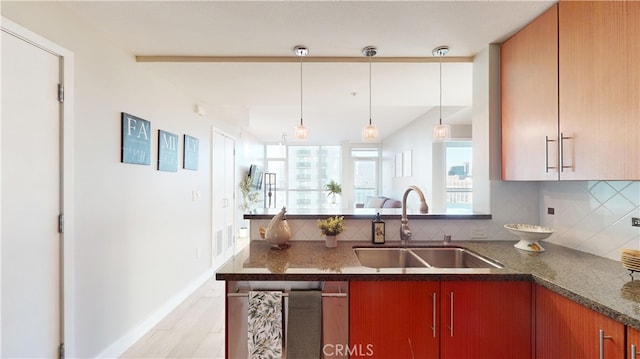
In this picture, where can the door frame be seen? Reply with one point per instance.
(66, 180)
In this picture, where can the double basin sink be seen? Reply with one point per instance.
(422, 257)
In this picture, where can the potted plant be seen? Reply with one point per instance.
(330, 228)
(333, 188)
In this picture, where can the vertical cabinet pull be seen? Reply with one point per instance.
(433, 327)
(546, 154)
(562, 138)
(633, 351)
(601, 338)
(451, 318)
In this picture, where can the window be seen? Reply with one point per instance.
(365, 173)
(302, 173)
(459, 181)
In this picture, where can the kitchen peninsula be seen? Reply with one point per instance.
(598, 286)
(359, 213)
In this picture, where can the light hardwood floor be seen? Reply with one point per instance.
(195, 329)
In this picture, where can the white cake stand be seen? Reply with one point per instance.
(529, 236)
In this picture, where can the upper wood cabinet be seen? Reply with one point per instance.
(529, 86)
(600, 89)
(587, 59)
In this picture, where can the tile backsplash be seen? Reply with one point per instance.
(590, 216)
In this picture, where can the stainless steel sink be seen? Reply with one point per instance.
(388, 258)
(437, 257)
(454, 257)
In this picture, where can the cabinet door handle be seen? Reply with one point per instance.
(601, 338)
(633, 351)
(451, 314)
(433, 327)
(562, 138)
(546, 154)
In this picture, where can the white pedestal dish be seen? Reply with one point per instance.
(529, 236)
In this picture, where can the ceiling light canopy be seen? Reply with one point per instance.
(441, 132)
(301, 131)
(370, 131)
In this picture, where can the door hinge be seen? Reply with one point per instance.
(61, 223)
(61, 351)
(61, 93)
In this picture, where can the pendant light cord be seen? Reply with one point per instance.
(370, 89)
(440, 89)
(301, 90)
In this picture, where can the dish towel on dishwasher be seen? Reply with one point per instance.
(265, 325)
(304, 325)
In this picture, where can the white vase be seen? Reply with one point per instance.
(331, 241)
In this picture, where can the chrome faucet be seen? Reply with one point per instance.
(405, 232)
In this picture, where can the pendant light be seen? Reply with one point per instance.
(441, 132)
(370, 131)
(301, 131)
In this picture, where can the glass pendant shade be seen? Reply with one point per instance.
(370, 132)
(441, 132)
(301, 131)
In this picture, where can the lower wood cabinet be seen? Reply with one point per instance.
(633, 343)
(566, 329)
(448, 319)
(393, 319)
(482, 319)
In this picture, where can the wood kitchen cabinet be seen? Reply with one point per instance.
(571, 94)
(529, 86)
(633, 343)
(404, 319)
(599, 89)
(393, 319)
(566, 329)
(486, 319)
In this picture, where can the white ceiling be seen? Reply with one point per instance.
(264, 98)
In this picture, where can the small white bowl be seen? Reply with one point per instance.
(529, 236)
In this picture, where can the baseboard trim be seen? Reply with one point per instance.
(116, 349)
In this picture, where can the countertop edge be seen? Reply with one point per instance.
(509, 273)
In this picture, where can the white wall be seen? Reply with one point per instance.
(136, 229)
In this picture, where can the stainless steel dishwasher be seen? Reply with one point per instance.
(335, 314)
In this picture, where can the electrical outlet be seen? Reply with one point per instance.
(635, 222)
(551, 210)
(479, 232)
(195, 195)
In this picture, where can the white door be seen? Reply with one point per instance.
(223, 178)
(31, 180)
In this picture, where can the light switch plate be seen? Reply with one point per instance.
(635, 222)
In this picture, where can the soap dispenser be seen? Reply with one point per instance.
(377, 230)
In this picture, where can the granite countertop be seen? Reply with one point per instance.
(359, 213)
(596, 282)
